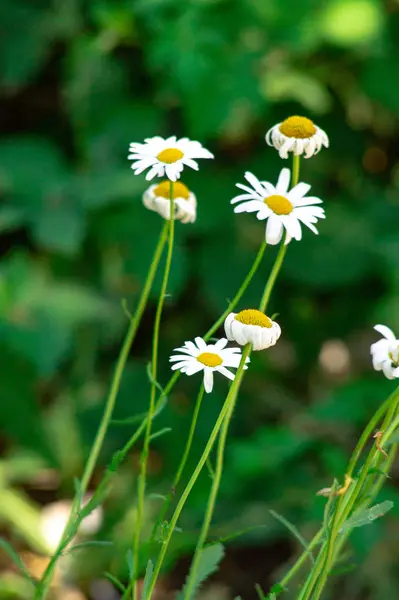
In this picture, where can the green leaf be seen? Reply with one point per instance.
(294, 532)
(15, 558)
(130, 563)
(157, 434)
(208, 563)
(367, 516)
(89, 543)
(147, 579)
(118, 584)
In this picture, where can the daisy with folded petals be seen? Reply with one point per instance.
(298, 135)
(166, 157)
(252, 326)
(283, 209)
(157, 198)
(385, 353)
(200, 356)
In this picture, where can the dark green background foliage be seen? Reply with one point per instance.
(80, 81)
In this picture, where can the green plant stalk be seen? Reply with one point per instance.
(44, 584)
(173, 380)
(154, 370)
(352, 464)
(211, 441)
(318, 577)
(213, 495)
(182, 464)
(225, 427)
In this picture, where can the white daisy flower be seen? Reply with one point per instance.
(283, 209)
(166, 157)
(385, 353)
(200, 356)
(251, 326)
(298, 135)
(157, 198)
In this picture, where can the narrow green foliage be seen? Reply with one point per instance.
(261, 593)
(367, 516)
(130, 563)
(15, 558)
(118, 584)
(147, 579)
(208, 563)
(276, 590)
(294, 532)
(157, 434)
(89, 543)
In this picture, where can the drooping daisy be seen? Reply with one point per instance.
(157, 198)
(298, 135)
(283, 209)
(200, 356)
(385, 353)
(166, 157)
(251, 326)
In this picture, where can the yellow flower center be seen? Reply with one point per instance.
(179, 190)
(209, 359)
(280, 205)
(170, 155)
(251, 316)
(298, 127)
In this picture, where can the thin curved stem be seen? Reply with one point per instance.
(318, 577)
(182, 464)
(154, 368)
(43, 586)
(213, 495)
(173, 380)
(231, 396)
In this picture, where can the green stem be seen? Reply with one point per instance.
(213, 495)
(182, 464)
(295, 169)
(43, 586)
(231, 396)
(239, 294)
(318, 577)
(154, 368)
(173, 380)
(223, 437)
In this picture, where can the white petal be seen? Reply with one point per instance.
(201, 344)
(254, 181)
(385, 331)
(283, 181)
(249, 206)
(274, 230)
(208, 380)
(225, 372)
(220, 344)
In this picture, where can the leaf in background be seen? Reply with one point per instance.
(351, 22)
(291, 527)
(20, 416)
(23, 48)
(15, 558)
(208, 563)
(367, 516)
(48, 203)
(147, 579)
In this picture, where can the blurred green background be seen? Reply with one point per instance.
(79, 82)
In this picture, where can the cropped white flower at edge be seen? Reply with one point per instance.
(157, 198)
(283, 209)
(251, 326)
(200, 356)
(166, 156)
(298, 135)
(385, 353)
